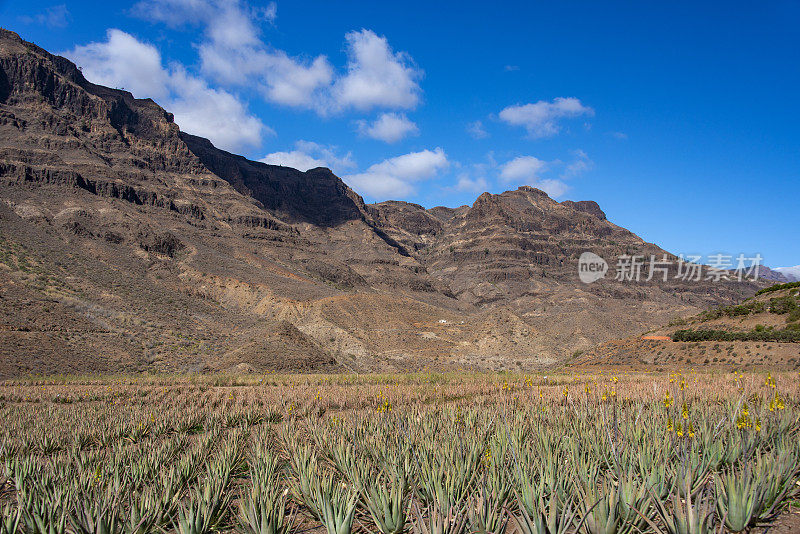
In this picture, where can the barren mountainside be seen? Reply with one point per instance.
(128, 245)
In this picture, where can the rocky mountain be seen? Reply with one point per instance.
(128, 245)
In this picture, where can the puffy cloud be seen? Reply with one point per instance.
(295, 159)
(280, 78)
(476, 130)
(309, 155)
(52, 17)
(232, 52)
(389, 127)
(527, 170)
(522, 169)
(213, 113)
(395, 177)
(376, 75)
(541, 119)
(124, 61)
(554, 188)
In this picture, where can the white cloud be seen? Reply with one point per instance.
(395, 177)
(213, 113)
(580, 164)
(541, 119)
(389, 127)
(524, 169)
(308, 155)
(295, 159)
(476, 130)
(554, 188)
(233, 53)
(471, 185)
(792, 273)
(280, 78)
(124, 61)
(376, 75)
(52, 17)
(527, 170)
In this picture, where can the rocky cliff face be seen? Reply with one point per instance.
(126, 244)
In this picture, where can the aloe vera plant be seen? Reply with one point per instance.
(10, 519)
(487, 513)
(206, 510)
(739, 498)
(548, 516)
(336, 503)
(437, 519)
(600, 504)
(387, 498)
(264, 511)
(692, 515)
(95, 516)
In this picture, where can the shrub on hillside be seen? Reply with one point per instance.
(784, 336)
(777, 287)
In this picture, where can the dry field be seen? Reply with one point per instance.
(424, 453)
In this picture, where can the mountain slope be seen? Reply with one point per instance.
(762, 331)
(129, 245)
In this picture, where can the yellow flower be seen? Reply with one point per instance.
(668, 400)
(685, 411)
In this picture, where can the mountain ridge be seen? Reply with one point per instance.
(155, 250)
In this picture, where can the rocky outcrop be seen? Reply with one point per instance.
(316, 196)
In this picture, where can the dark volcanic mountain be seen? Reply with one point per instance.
(126, 244)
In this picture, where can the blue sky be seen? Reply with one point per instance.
(679, 118)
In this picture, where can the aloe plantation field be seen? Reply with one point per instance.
(599, 453)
